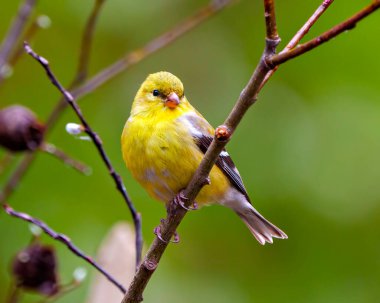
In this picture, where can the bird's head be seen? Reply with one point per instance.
(160, 91)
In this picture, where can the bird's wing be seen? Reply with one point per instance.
(203, 133)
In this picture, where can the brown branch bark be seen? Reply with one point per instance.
(348, 24)
(270, 20)
(63, 239)
(175, 213)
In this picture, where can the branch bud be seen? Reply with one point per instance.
(43, 21)
(74, 128)
(222, 133)
(6, 71)
(79, 274)
(19, 129)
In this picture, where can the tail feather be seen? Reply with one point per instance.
(260, 227)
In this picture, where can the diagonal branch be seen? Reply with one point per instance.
(99, 146)
(151, 47)
(176, 213)
(63, 239)
(51, 149)
(348, 24)
(15, 31)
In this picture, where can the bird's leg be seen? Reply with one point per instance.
(180, 200)
(157, 232)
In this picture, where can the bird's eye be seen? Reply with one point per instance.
(156, 92)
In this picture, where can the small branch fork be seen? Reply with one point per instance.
(348, 24)
(63, 239)
(99, 146)
(300, 34)
(247, 98)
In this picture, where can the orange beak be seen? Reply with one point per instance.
(172, 101)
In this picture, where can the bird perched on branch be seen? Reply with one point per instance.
(163, 143)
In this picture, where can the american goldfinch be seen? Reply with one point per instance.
(163, 142)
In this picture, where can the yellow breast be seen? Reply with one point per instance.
(162, 155)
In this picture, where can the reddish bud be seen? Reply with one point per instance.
(19, 129)
(222, 133)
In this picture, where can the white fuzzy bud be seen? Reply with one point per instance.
(74, 129)
(35, 230)
(6, 71)
(43, 21)
(79, 274)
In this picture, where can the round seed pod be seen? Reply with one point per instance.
(35, 269)
(19, 129)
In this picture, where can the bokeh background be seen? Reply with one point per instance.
(308, 151)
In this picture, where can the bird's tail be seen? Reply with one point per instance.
(260, 227)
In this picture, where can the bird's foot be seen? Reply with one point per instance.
(157, 232)
(181, 200)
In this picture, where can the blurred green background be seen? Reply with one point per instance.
(308, 151)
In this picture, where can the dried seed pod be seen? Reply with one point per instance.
(19, 129)
(35, 268)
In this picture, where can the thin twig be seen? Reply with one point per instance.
(176, 213)
(15, 31)
(83, 62)
(40, 22)
(307, 26)
(300, 34)
(348, 24)
(99, 146)
(51, 149)
(86, 43)
(63, 239)
(19, 49)
(151, 47)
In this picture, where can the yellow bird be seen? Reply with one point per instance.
(163, 142)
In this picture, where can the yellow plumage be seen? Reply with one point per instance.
(160, 148)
